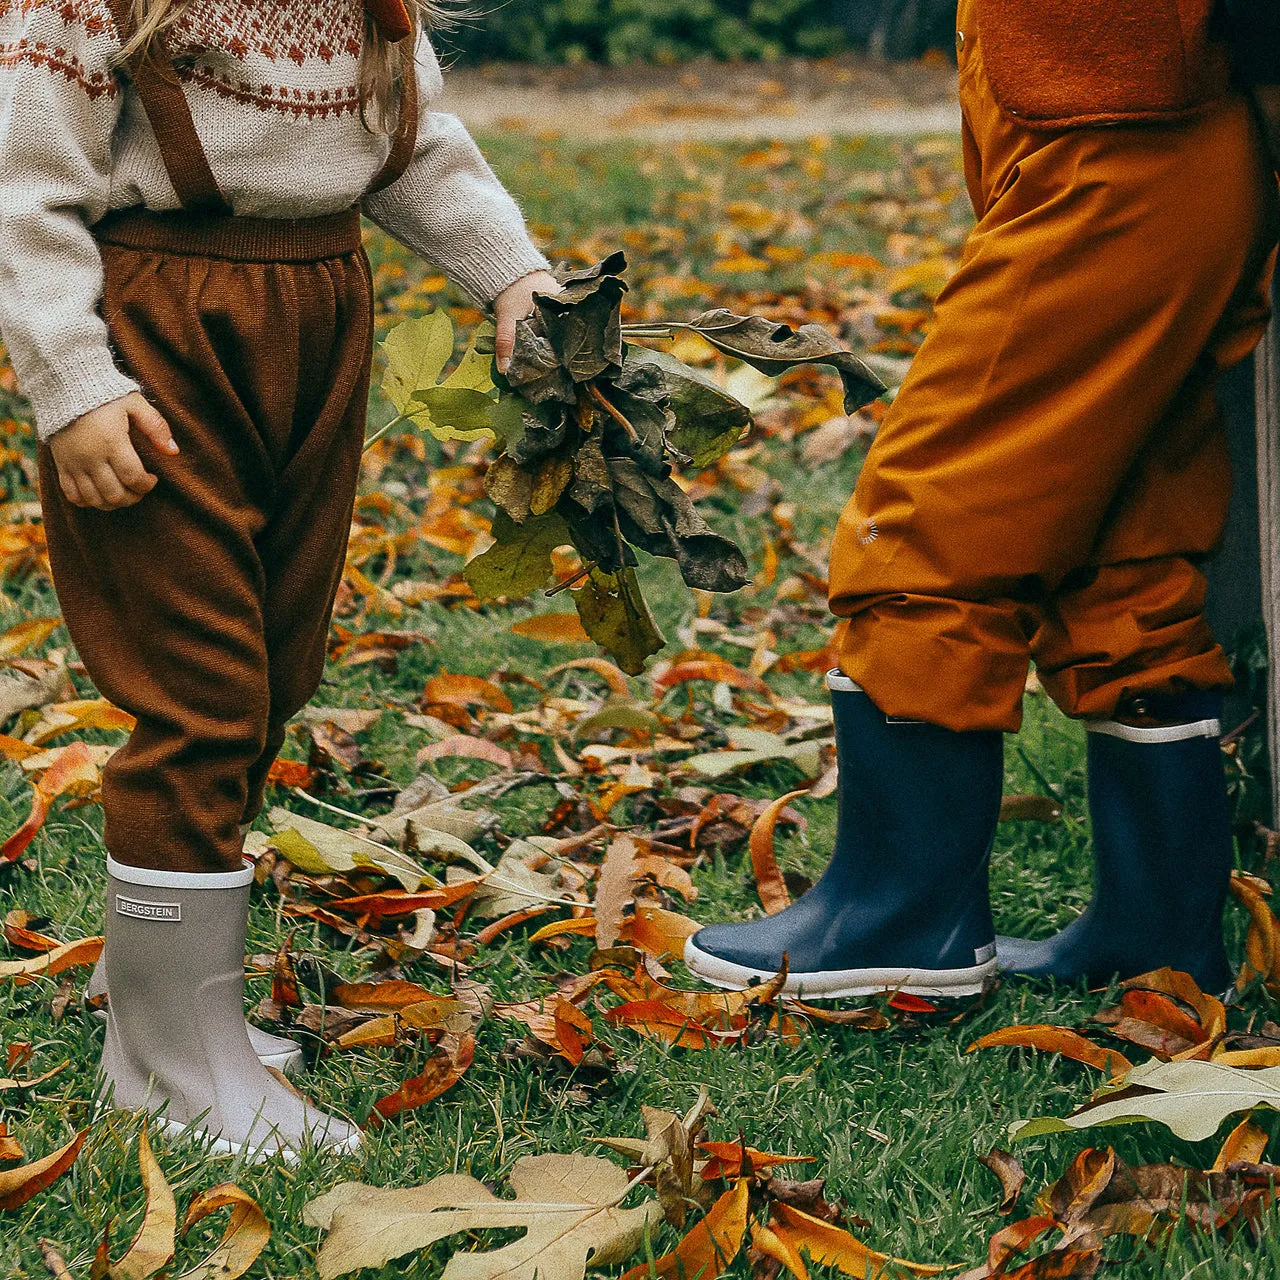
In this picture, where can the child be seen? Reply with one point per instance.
(1043, 488)
(188, 307)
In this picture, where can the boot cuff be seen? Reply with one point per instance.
(180, 879)
(1157, 733)
(841, 683)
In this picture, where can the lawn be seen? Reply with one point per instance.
(859, 235)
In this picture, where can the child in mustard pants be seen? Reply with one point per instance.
(1043, 489)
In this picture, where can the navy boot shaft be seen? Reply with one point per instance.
(903, 903)
(1163, 854)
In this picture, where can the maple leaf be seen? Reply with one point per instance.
(569, 1206)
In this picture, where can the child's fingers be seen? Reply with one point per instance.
(130, 472)
(89, 495)
(70, 489)
(150, 421)
(110, 490)
(504, 340)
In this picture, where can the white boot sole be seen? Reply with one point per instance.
(832, 984)
(176, 1131)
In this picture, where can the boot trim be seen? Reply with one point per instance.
(839, 682)
(837, 983)
(248, 1151)
(180, 879)
(1157, 734)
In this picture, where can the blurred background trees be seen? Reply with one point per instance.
(621, 31)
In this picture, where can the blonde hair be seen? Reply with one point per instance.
(382, 63)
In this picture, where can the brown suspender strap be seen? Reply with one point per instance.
(406, 135)
(166, 107)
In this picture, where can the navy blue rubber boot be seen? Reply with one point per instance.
(903, 903)
(1163, 853)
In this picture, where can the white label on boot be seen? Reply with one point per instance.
(982, 955)
(164, 912)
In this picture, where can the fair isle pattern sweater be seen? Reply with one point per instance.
(272, 86)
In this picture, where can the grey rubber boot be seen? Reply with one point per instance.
(277, 1052)
(177, 1042)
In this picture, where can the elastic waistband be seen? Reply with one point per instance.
(240, 239)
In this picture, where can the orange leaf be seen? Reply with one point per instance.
(661, 1021)
(613, 676)
(1246, 1142)
(1182, 986)
(1249, 1059)
(832, 1246)
(905, 1002)
(26, 635)
(726, 1160)
(712, 668)
(377, 1033)
(764, 1240)
(585, 926)
(1159, 1012)
(1062, 1040)
(710, 1247)
(657, 932)
(10, 1147)
(442, 1072)
(769, 882)
(17, 934)
(290, 773)
(396, 902)
(552, 628)
(84, 951)
(464, 746)
(512, 921)
(466, 691)
(379, 997)
(573, 1030)
(73, 768)
(17, 1186)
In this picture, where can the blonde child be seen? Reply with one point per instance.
(188, 307)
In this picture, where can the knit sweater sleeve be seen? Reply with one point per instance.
(59, 101)
(449, 206)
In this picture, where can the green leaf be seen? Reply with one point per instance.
(1191, 1098)
(616, 616)
(458, 407)
(519, 562)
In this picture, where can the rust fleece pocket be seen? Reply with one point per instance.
(1086, 62)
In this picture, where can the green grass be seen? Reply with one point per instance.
(897, 1119)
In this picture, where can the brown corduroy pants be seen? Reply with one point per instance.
(204, 608)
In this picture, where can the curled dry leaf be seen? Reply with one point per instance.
(770, 885)
(733, 1160)
(832, 1246)
(1061, 1040)
(1013, 1177)
(567, 1204)
(444, 1069)
(244, 1238)
(152, 1248)
(1247, 1143)
(17, 1186)
(84, 951)
(75, 770)
(711, 1246)
(657, 932)
(616, 889)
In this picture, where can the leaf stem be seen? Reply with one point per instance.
(616, 414)
(382, 431)
(568, 582)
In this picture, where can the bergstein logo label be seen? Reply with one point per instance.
(165, 912)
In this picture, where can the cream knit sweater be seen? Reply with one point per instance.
(272, 90)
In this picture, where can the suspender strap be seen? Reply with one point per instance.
(170, 116)
(406, 135)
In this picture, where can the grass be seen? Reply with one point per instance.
(896, 1119)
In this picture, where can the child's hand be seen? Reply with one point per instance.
(513, 304)
(97, 463)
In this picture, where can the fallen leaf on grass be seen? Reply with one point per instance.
(1247, 1142)
(319, 849)
(10, 1147)
(34, 1081)
(832, 1246)
(766, 1242)
(568, 1205)
(729, 1158)
(244, 1238)
(444, 1069)
(84, 951)
(17, 1186)
(1030, 809)
(1013, 1177)
(661, 1021)
(74, 770)
(1060, 1040)
(1191, 1098)
(552, 628)
(463, 746)
(615, 889)
(657, 932)
(1154, 1022)
(18, 933)
(153, 1247)
(769, 882)
(711, 1246)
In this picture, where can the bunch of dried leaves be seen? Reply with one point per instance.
(591, 428)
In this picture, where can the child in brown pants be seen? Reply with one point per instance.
(188, 306)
